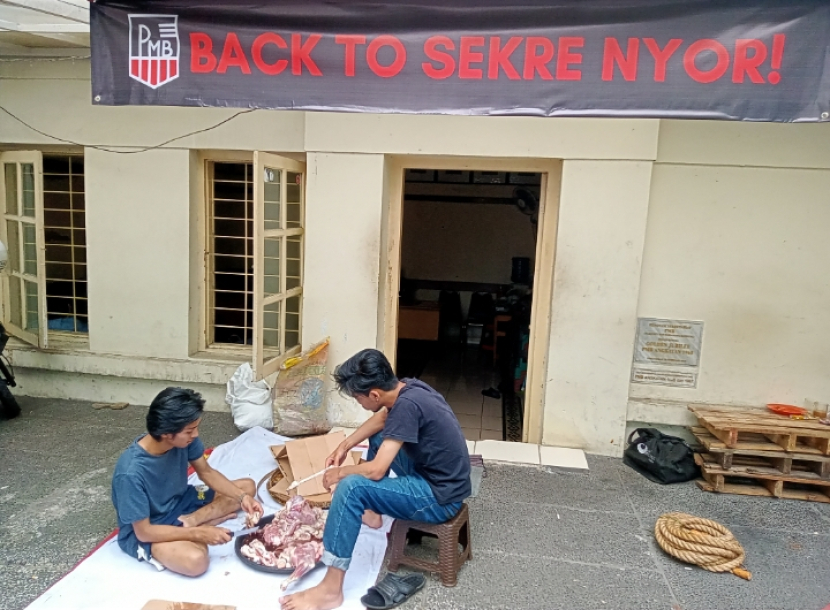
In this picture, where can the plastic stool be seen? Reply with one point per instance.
(450, 534)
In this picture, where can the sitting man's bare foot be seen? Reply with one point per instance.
(372, 519)
(219, 520)
(315, 598)
(188, 521)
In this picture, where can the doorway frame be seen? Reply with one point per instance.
(541, 305)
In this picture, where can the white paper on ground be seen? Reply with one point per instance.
(110, 579)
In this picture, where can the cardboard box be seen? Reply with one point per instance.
(302, 458)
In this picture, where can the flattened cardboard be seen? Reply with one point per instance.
(161, 604)
(302, 458)
(308, 456)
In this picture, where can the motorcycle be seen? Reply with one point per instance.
(9, 409)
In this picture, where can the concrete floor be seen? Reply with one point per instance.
(542, 539)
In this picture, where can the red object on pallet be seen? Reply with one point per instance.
(786, 409)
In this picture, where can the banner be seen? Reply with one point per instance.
(714, 59)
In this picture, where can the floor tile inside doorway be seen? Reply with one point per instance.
(460, 376)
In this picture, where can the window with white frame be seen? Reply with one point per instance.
(44, 230)
(64, 232)
(232, 253)
(255, 244)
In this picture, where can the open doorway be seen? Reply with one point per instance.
(468, 245)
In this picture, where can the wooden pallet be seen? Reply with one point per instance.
(732, 427)
(748, 476)
(753, 488)
(765, 453)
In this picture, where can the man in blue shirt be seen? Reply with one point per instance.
(414, 432)
(162, 519)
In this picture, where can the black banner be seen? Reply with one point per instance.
(717, 59)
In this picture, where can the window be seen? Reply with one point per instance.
(256, 257)
(64, 228)
(44, 232)
(232, 255)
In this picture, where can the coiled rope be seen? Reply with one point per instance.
(701, 542)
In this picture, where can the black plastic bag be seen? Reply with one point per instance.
(659, 457)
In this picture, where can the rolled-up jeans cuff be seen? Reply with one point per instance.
(336, 562)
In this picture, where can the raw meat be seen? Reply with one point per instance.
(303, 557)
(251, 519)
(294, 539)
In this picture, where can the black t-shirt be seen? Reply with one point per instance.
(432, 438)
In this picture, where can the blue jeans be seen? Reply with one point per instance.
(408, 496)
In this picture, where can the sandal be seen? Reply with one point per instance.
(491, 393)
(392, 591)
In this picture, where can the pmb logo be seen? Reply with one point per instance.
(154, 49)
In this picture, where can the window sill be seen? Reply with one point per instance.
(209, 369)
(223, 355)
(67, 341)
(57, 342)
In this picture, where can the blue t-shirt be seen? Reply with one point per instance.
(146, 485)
(432, 438)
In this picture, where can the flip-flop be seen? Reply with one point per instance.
(491, 393)
(392, 591)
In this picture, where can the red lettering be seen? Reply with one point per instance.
(748, 65)
(372, 56)
(627, 63)
(537, 63)
(233, 56)
(777, 57)
(466, 56)
(447, 60)
(500, 56)
(713, 74)
(202, 59)
(566, 58)
(256, 51)
(661, 56)
(301, 54)
(350, 42)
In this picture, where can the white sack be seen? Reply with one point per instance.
(250, 400)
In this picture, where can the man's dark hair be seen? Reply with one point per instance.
(365, 371)
(172, 410)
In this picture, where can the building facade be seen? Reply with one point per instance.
(147, 249)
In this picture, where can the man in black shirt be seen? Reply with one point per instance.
(432, 472)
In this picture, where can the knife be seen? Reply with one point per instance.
(296, 484)
(259, 525)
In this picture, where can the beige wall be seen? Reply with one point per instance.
(342, 265)
(138, 258)
(56, 99)
(464, 242)
(113, 386)
(745, 251)
(735, 238)
(728, 228)
(524, 137)
(745, 144)
(602, 217)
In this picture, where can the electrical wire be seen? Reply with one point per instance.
(126, 152)
(9, 60)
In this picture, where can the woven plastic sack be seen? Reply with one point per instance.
(299, 395)
(249, 400)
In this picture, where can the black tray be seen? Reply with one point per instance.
(240, 540)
